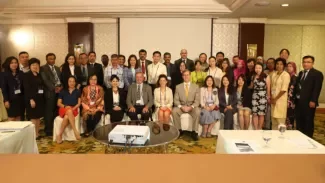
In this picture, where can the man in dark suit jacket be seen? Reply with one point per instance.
(95, 68)
(188, 62)
(143, 63)
(307, 90)
(170, 67)
(51, 76)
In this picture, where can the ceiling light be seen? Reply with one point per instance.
(284, 5)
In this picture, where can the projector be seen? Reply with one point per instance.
(130, 135)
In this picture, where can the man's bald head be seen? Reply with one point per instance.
(184, 54)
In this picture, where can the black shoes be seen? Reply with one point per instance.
(195, 136)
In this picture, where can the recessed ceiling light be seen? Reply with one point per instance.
(284, 5)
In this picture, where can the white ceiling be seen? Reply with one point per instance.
(298, 9)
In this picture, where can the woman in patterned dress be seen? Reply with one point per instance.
(259, 101)
(292, 70)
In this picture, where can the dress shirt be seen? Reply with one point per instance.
(24, 69)
(141, 98)
(154, 71)
(71, 69)
(109, 71)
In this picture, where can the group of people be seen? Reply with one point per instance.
(206, 89)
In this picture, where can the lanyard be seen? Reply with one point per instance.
(152, 78)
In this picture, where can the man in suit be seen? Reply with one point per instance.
(139, 99)
(188, 62)
(170, 67)
(95, 68)
(23, 61)
(51, 76)
(187, 100)
(307, 90)
(83, 57)
(143, 63)
(24, 67)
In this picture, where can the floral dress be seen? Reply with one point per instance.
(259, 101)
(291, 102)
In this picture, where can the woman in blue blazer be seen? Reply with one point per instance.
(130, 71)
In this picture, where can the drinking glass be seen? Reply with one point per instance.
(267, 136)
(282, 128)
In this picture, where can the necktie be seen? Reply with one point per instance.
(143, 68)
(186, 90)
(56, 79)
(138, 93)
(303, 77)
(84, 71)
(92, 65)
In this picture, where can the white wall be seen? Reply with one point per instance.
(165, 35)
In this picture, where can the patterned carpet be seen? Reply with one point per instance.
(183, 145)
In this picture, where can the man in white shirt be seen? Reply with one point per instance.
(187, 100)
(114, 69)
(155, 69)
(143, 63)
(23, 61)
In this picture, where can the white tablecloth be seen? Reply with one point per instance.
(294, 142)
(20, 141)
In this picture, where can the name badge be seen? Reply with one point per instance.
(138, 102)
(273, 92)
(40, 91)
(92, 103)
(17, 92)
(84, 83)
(169, 78)
(210, 105)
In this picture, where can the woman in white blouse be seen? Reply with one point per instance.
(214, 71)
(163, 99)
(210, 113)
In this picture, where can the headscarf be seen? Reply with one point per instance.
(240, 71)
(294, 68)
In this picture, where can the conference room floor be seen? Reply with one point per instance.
(183, 145)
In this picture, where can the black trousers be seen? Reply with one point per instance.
(51, 111)
(229, 120)
(23, 112)
(305, 118)
(116, 116)
(138, 110)
(93, 120)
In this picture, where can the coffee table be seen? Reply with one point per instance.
(160, 135)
